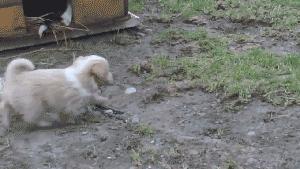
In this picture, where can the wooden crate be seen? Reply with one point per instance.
(94, 11)
(12, 20)
(86, 12)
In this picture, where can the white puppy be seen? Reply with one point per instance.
(32, 93)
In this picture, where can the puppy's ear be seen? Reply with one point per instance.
(101, 71)
(98, 69)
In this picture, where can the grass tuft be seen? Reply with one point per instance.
(135, 157)
(187, 7)
(144, 130)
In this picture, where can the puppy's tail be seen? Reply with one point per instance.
(18, 66)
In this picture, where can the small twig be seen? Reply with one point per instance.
(280, 116)
(45, 63)
(133, 15)
(54, 34)
(40, 18)
(251, 42)
(86, 28)
(69, 28)
(74, 57)
(65, 37)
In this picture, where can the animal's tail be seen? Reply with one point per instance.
(18, 66)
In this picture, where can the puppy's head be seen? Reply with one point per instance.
(97, 67)
(101, 74)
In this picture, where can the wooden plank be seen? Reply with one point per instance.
(12, 43)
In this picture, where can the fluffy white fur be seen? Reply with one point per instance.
(67, 15)
(32, 93)
(41, 30)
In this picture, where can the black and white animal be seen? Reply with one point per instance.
(52, 10)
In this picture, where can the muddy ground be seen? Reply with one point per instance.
(189, 129)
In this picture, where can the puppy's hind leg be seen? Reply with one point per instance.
(32, 115)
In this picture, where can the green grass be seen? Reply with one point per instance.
(136, 5)
(144, 130)
(292, 3)
(272, 11)
(231, 165)
(261, 11)
(135, 157)
(253, 73)
(187, 7)
(277, 13)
